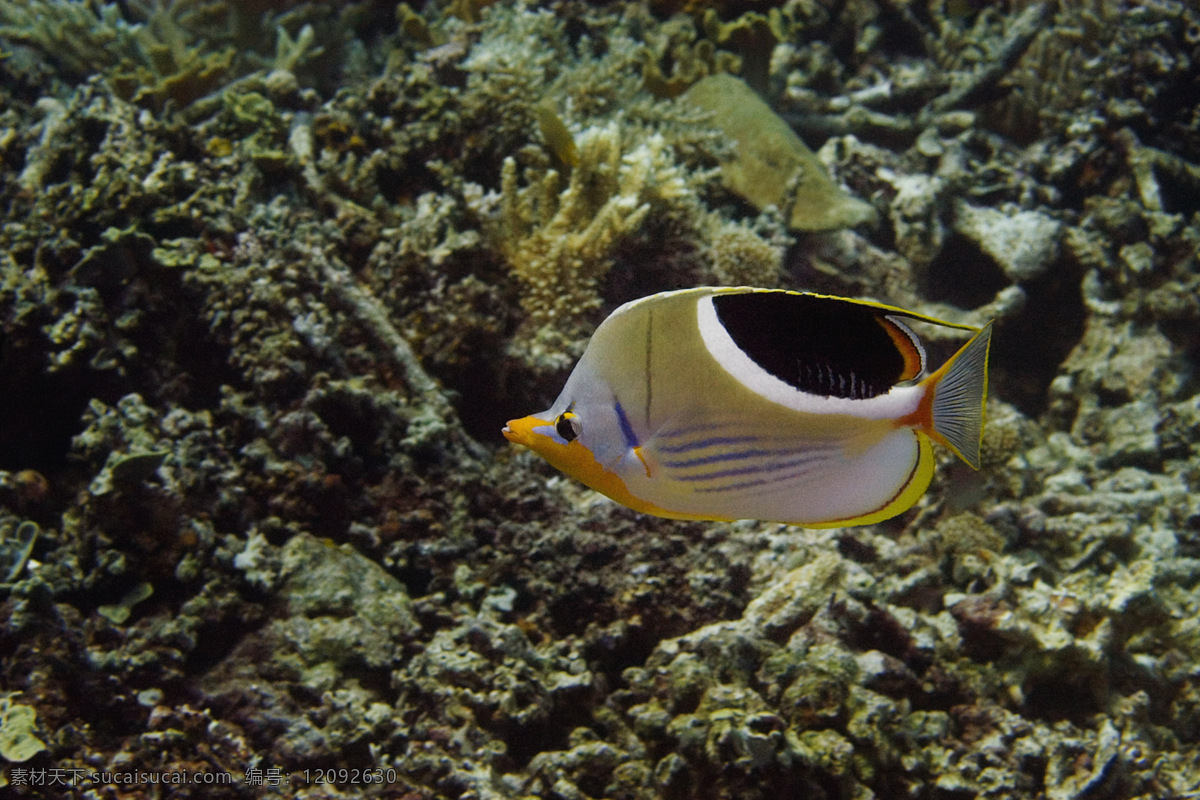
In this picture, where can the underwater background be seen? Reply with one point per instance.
(273, 274)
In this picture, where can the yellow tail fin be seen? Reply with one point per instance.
(959, 395)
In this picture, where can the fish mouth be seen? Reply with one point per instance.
(520, 431)
(517, 430)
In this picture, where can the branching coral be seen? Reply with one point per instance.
(559, 243)
(153, 51)
(80, 37)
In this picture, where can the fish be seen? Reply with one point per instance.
(729, 403)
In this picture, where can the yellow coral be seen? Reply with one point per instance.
(559, 243)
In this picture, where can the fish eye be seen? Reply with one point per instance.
(568, 426)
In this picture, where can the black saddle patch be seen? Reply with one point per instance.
(821, 345)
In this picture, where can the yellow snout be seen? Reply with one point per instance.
(520, 431)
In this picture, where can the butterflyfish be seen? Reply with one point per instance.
(725, 403)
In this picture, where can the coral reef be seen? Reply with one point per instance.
(273, 275)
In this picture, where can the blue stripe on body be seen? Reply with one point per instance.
(763, 483)
(681, 429)
(631, 439)
(736, 455)
(700, 444)
(752, 469)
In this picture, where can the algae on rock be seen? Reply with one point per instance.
(18, 742)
